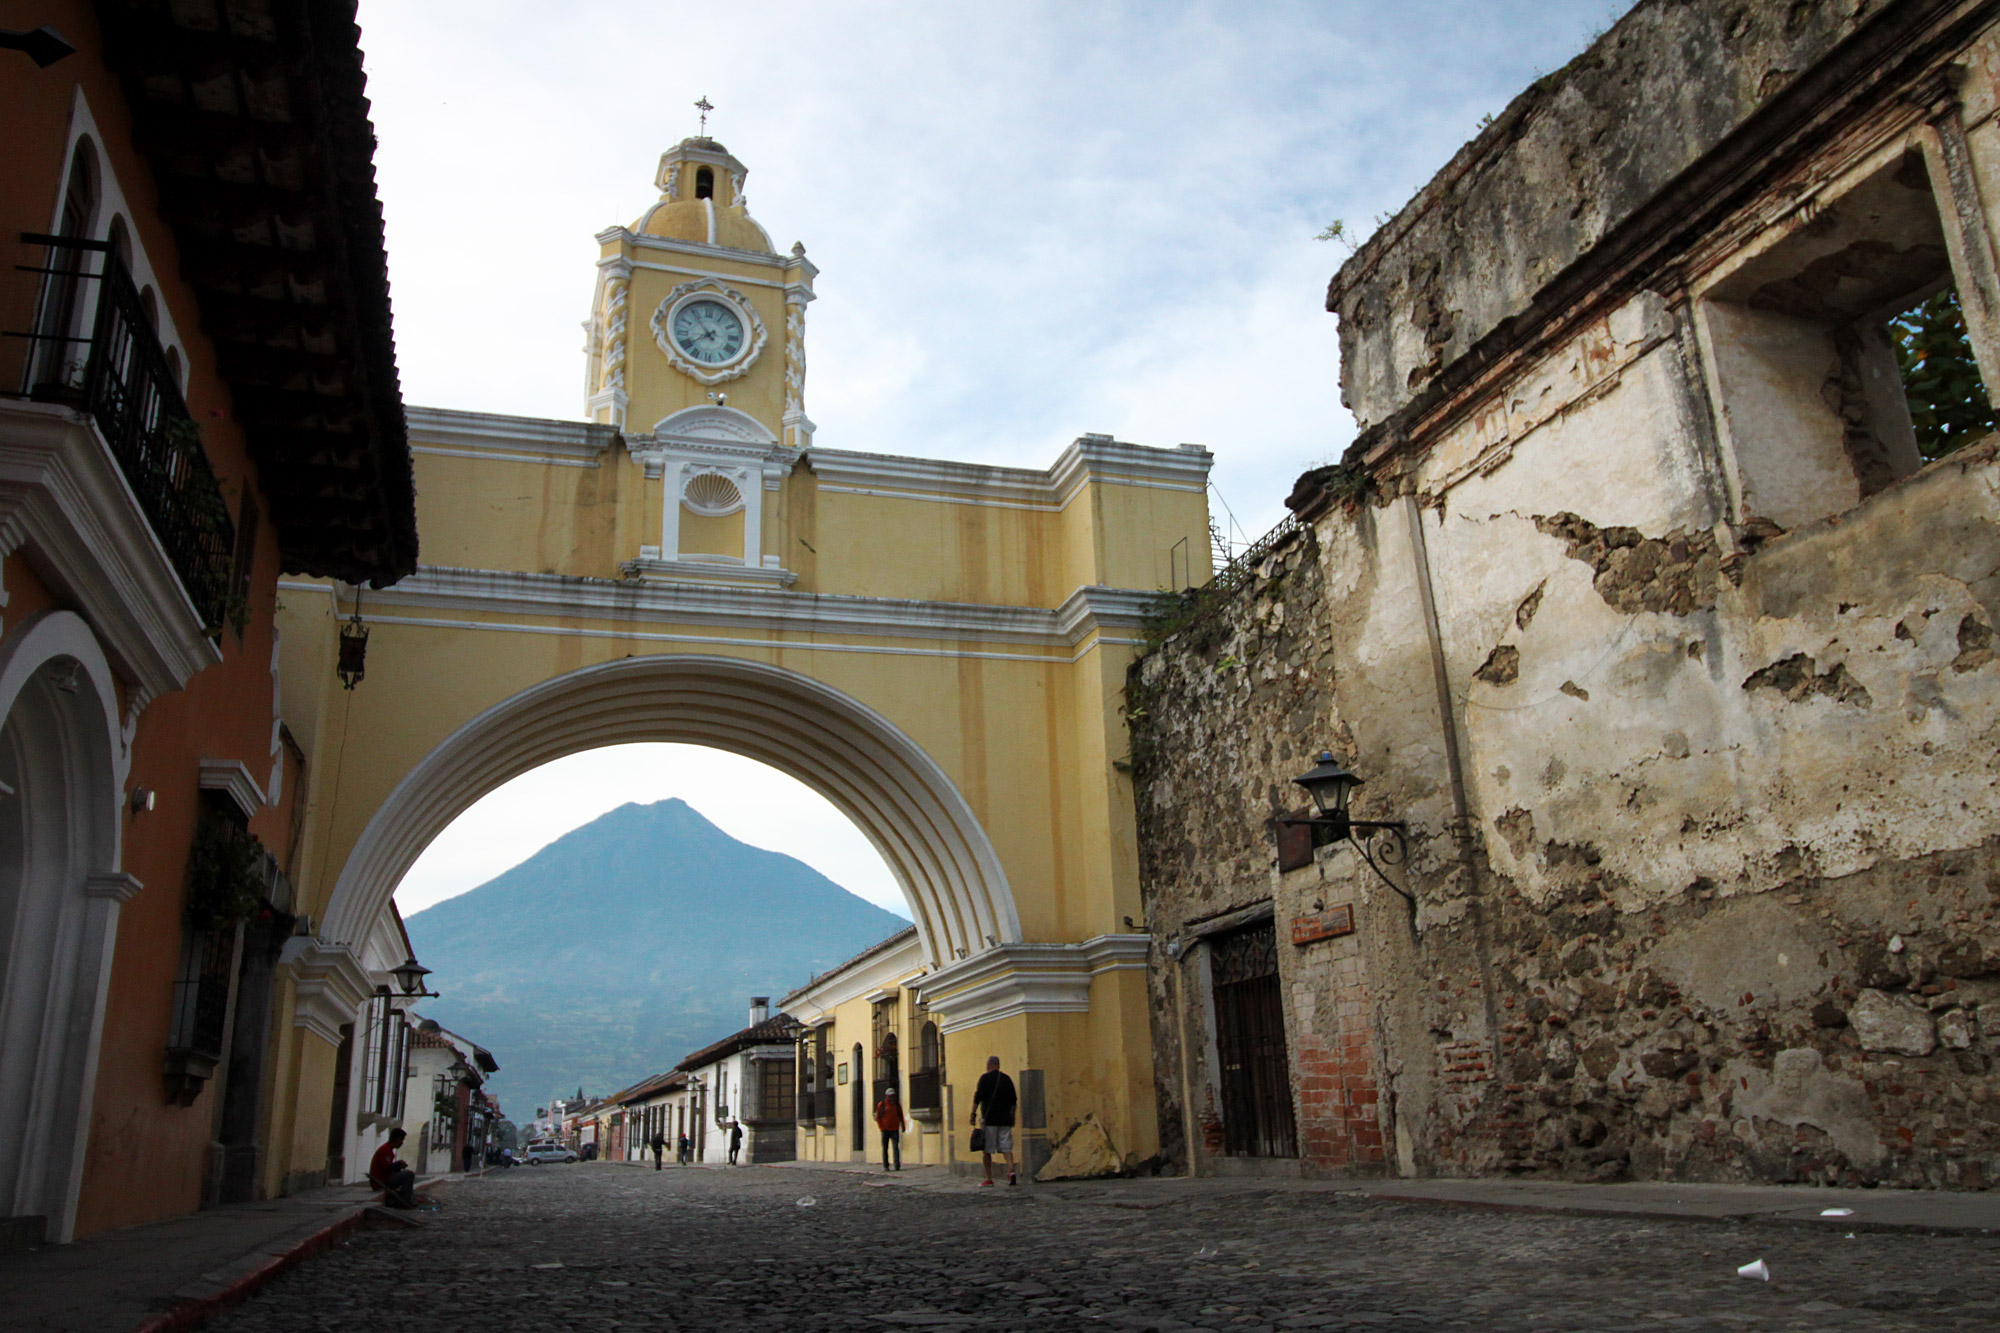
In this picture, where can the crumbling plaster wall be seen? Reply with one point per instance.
(1738, 812)
(1481, 239)
(1223, 715)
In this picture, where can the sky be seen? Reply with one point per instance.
(1032, 220)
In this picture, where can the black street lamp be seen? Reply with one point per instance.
(410, 974)
(1329, 785)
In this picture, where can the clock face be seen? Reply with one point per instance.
(708, 332)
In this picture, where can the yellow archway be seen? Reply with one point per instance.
(895, 793)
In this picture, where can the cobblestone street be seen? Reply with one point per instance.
(608, 1246)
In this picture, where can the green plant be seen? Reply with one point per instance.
(225, 876)
(181, 434)
(1949, 405)
(1348, 482)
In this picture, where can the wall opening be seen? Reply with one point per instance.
(1821, 345)
(704, 183)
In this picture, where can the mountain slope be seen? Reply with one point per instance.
(626, 944)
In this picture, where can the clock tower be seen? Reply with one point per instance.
(696, 354)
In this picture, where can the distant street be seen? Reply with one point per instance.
(610, 1246)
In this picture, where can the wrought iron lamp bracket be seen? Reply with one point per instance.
(1386, 839)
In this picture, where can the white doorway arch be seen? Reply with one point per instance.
(62, 761)
(859, 760)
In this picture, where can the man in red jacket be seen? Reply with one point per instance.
(889, 1118)
(394, 1178)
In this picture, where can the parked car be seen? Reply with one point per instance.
(549, 1152)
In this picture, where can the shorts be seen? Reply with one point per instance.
(999, 1138)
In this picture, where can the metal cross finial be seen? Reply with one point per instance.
(704, 107)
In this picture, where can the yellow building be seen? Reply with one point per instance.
(939, 648)
(866, 1031)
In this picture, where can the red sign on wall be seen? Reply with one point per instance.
(1323, 925)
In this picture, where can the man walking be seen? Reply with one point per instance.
(993, 1112)
(659, 1147)
(889, 1118)
(735, 1139)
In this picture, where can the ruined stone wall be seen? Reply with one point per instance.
(1722, 901)
(1482, 239)
(1223, 716)
(1687, 693)
(1757, 945)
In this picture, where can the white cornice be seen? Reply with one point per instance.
(642, 241)
(65, 504)
(329, 984)
(232, 778)
(1027, 978)
(1085, 613)
(1098, 459)
(893, 963)
(524, 439)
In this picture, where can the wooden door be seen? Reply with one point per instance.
(1250, 1041)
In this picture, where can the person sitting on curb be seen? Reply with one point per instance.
(889, 1118)
(393, 1177)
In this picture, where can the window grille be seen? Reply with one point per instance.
(775, 1088)
(201, 993)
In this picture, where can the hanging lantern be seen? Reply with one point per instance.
(353, 648)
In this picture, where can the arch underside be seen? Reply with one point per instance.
(861, 762)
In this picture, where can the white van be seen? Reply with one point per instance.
(548, 1152)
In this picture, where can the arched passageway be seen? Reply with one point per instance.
(61, 778)
(857, 759)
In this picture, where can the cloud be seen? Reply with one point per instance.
(1033, 219)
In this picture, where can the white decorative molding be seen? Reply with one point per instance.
(698, 441)
(708, 289)
(329, 985)
(437, 430)
(710, 430)
(1085, 615)
(66, 506)
(1091, 459)
(699, 568)
(112, 885)
(1005, 980)
(232, 778)
(713, 492)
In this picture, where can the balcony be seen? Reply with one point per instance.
(823, 1106)
(118, 374)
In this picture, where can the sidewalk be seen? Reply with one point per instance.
(171, 1275)
(1937, 1211)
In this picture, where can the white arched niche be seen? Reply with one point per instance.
(62, 763)
(856, 758)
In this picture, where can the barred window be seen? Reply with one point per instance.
(775, 1088)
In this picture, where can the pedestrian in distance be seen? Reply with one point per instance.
(391, 1175)
(889, 1118)
(735, 1140)
(687, 1150)
(993, 1118)
(659, 1147)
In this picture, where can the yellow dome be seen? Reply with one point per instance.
(689, 220)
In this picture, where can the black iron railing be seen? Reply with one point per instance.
(926, 1094)
(120, 375)
(823, 1106)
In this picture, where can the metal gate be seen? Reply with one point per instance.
(1250, 1040)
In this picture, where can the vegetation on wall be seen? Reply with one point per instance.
(1949, 406)
(225, 879)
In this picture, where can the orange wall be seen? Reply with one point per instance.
(146, 1157)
